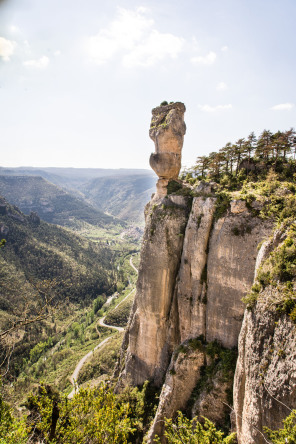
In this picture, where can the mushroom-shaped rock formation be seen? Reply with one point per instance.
(167, 131)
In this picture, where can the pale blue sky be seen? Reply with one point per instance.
(78, 79)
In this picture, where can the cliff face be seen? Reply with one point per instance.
(193, 274)
(198, 260)
(149, 349)
(216, 271)
(265, 377)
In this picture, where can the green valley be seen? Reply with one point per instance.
(53, 285)
(52, 203)
(69, 195)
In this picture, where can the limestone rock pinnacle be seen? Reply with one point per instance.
(167, 131)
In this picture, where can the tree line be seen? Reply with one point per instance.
(250, 153)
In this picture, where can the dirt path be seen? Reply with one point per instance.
(74, 377)
(101, 320)
(102, 324)
(75, 374)
(132, 265)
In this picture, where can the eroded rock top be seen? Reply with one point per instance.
(167, 131)
(167, 127)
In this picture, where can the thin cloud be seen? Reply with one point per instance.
(41, 63)
(212, 109)
(224, 48)
(6, 48)
(221, 86)
(208, 59)
(133, 36)
(282, 106)
(156, 47)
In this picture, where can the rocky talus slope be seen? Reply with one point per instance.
(195, 268)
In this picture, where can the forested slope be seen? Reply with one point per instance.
(123, 197)
(43, 265)
(53, 204)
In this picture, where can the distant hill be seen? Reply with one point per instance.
(120, 192)
(52, 203)
(124, 197)
(72, 178)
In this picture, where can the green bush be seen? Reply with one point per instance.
(40, 348)
(98, 303)
(184, 430)
(93, 415)
(12, 430)
(174, 186)
(222, 204)
(286, 435)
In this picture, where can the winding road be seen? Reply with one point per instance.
(75, 374)
(132, 265)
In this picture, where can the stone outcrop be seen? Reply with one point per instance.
(167, 131)
(265, 377)
(238, 206)
(193, 273)
(148, 351)
(181, 378)
(196, 266)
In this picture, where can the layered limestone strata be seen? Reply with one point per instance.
(167, 131)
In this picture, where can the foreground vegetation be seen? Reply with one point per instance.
(98, 415)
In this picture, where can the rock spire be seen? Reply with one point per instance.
(167, 131)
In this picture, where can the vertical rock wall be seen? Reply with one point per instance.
(265, 377)
(195, 269)
(148, 351)
(181, 378)
(191, 286)
(230, 273)
(193, 274)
